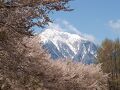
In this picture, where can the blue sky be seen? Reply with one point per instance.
(97, 18)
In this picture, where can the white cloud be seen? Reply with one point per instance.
(89, 37)
(64, 25)
(55, 26)
(114, 25)
(70, 27)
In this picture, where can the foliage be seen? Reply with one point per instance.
(34, 70)
(24, 65)
(109, 56)
(28, 13)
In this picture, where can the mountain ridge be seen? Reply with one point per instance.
(65, 45)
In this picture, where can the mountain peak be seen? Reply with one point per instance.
(52, 34)
(64, 44)
(57, 36)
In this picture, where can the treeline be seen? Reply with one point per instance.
(109, 56)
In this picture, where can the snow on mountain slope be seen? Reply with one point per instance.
(62, 44)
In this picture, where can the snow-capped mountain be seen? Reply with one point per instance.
(65, 45)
